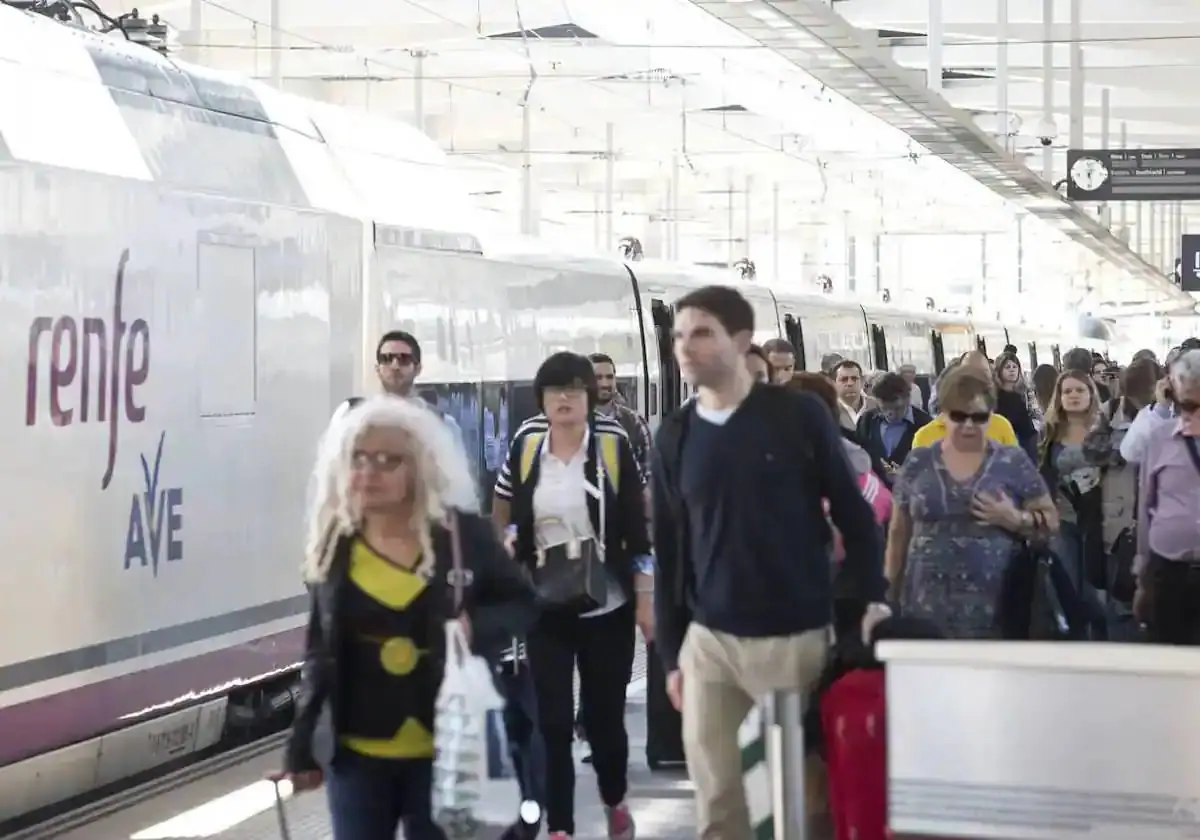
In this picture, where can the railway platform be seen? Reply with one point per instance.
(239, 804)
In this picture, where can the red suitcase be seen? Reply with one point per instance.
(853, 723)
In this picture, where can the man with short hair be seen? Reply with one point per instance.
(398, 364)
(887, 431)
(852, 401)
(916, 396)
(760, 368)
(781, 356)
(744, 590)
(610, 403)
(1168, 530)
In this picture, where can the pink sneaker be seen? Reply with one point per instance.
(620, 823)
(559, 835)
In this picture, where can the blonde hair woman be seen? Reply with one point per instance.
(1075, 474)
(394, 540)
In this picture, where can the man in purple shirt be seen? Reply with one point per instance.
(1168, 536)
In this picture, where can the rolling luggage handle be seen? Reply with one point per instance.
(783, 730)
(284, 832)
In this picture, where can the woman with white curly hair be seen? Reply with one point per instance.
(394, 504)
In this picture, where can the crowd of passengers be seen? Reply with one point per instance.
(770, 505)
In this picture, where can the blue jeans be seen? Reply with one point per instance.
(369, 798)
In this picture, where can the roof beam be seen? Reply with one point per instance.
(913, 14)
(1022, 56)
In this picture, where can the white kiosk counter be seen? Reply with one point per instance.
(1054, 741)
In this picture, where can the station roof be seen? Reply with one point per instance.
(736, 113)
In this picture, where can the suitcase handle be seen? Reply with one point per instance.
(284, 832)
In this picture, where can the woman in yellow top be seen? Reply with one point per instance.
(998, 430)
(391, 483)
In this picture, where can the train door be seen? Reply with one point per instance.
(793, 331)
(879, 346)
(670, 392)
(939, 351)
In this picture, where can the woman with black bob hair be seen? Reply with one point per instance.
(571, 477)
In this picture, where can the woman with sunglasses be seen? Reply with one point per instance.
(960, 506)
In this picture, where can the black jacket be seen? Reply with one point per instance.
(626, 534)
(870, 435)
(498, 598)
(1011, 405)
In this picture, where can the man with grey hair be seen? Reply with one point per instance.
(1168, 535)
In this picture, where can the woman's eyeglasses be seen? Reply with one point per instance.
(979, 418)
(381, 461)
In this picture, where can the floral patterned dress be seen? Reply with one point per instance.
(954, 563)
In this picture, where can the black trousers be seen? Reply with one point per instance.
(602, 649)
(1175, 602)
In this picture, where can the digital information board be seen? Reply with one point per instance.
(1133, 174)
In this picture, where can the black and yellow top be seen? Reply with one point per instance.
(388, 681)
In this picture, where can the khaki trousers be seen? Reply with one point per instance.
(723, 677)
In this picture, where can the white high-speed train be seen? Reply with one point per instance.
(195, 269)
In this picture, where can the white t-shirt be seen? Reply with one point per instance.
(561, 494)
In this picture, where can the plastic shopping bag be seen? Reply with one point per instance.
(460, 766)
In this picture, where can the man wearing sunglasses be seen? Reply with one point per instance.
(398, 364)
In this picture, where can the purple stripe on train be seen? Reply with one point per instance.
(48, 723)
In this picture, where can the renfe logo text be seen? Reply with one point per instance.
(88, 377)
(95, 369)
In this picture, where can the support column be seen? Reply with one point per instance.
(775, 232)
(1138, 240)
(675, 207)
(1020, 255)
(1048, 83)
(1176, 233)
(747, 220)
(194, 53)
(1123, 207)
(610, 177)
(1002, 73)
(1105, 109)
(529, 215)
(730, 259)
(934, 43)
(1076, 103)
(1152, 229)
(275, 21)
(419, 89)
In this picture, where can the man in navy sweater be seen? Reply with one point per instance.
(744, 590)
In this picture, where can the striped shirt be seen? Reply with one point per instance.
(540, 423)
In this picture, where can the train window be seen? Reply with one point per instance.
(228, 297)
(794, 333)
(939, 351)
(664, 322)
(879, 342)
